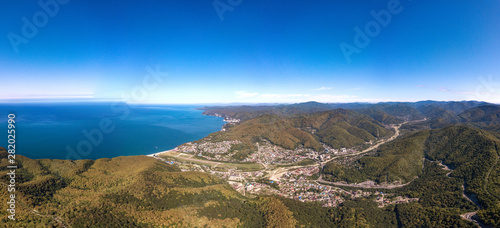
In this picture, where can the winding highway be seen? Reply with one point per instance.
(396, 134)
(367, 184)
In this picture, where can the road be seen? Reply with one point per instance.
(188, 157)
(367, 184)
(488, 176)
(445, 167)
(469, 215)
(277, 173)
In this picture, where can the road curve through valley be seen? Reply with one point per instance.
(367, 184)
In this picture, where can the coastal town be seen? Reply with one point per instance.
(295, 183)
(266, 152)
(273, 170)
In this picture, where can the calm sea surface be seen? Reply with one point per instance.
(102, 130)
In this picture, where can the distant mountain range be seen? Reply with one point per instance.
(437, 113)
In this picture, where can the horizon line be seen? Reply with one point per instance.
(107, 100)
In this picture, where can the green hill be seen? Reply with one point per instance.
(380, 115)
(342, 128)
(400, 161)
(486, 116)
(278, 131)
(336, 128)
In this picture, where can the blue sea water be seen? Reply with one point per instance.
(102, 130)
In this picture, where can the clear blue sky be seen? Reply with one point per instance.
(262, 51)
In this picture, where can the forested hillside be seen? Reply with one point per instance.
(338, 128)
(136, 191)
(472, 154)
(398, 161)
(384, 112)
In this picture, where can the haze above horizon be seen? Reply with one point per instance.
(206, 52)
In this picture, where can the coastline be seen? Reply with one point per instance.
(227, 120)
(159, 153)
